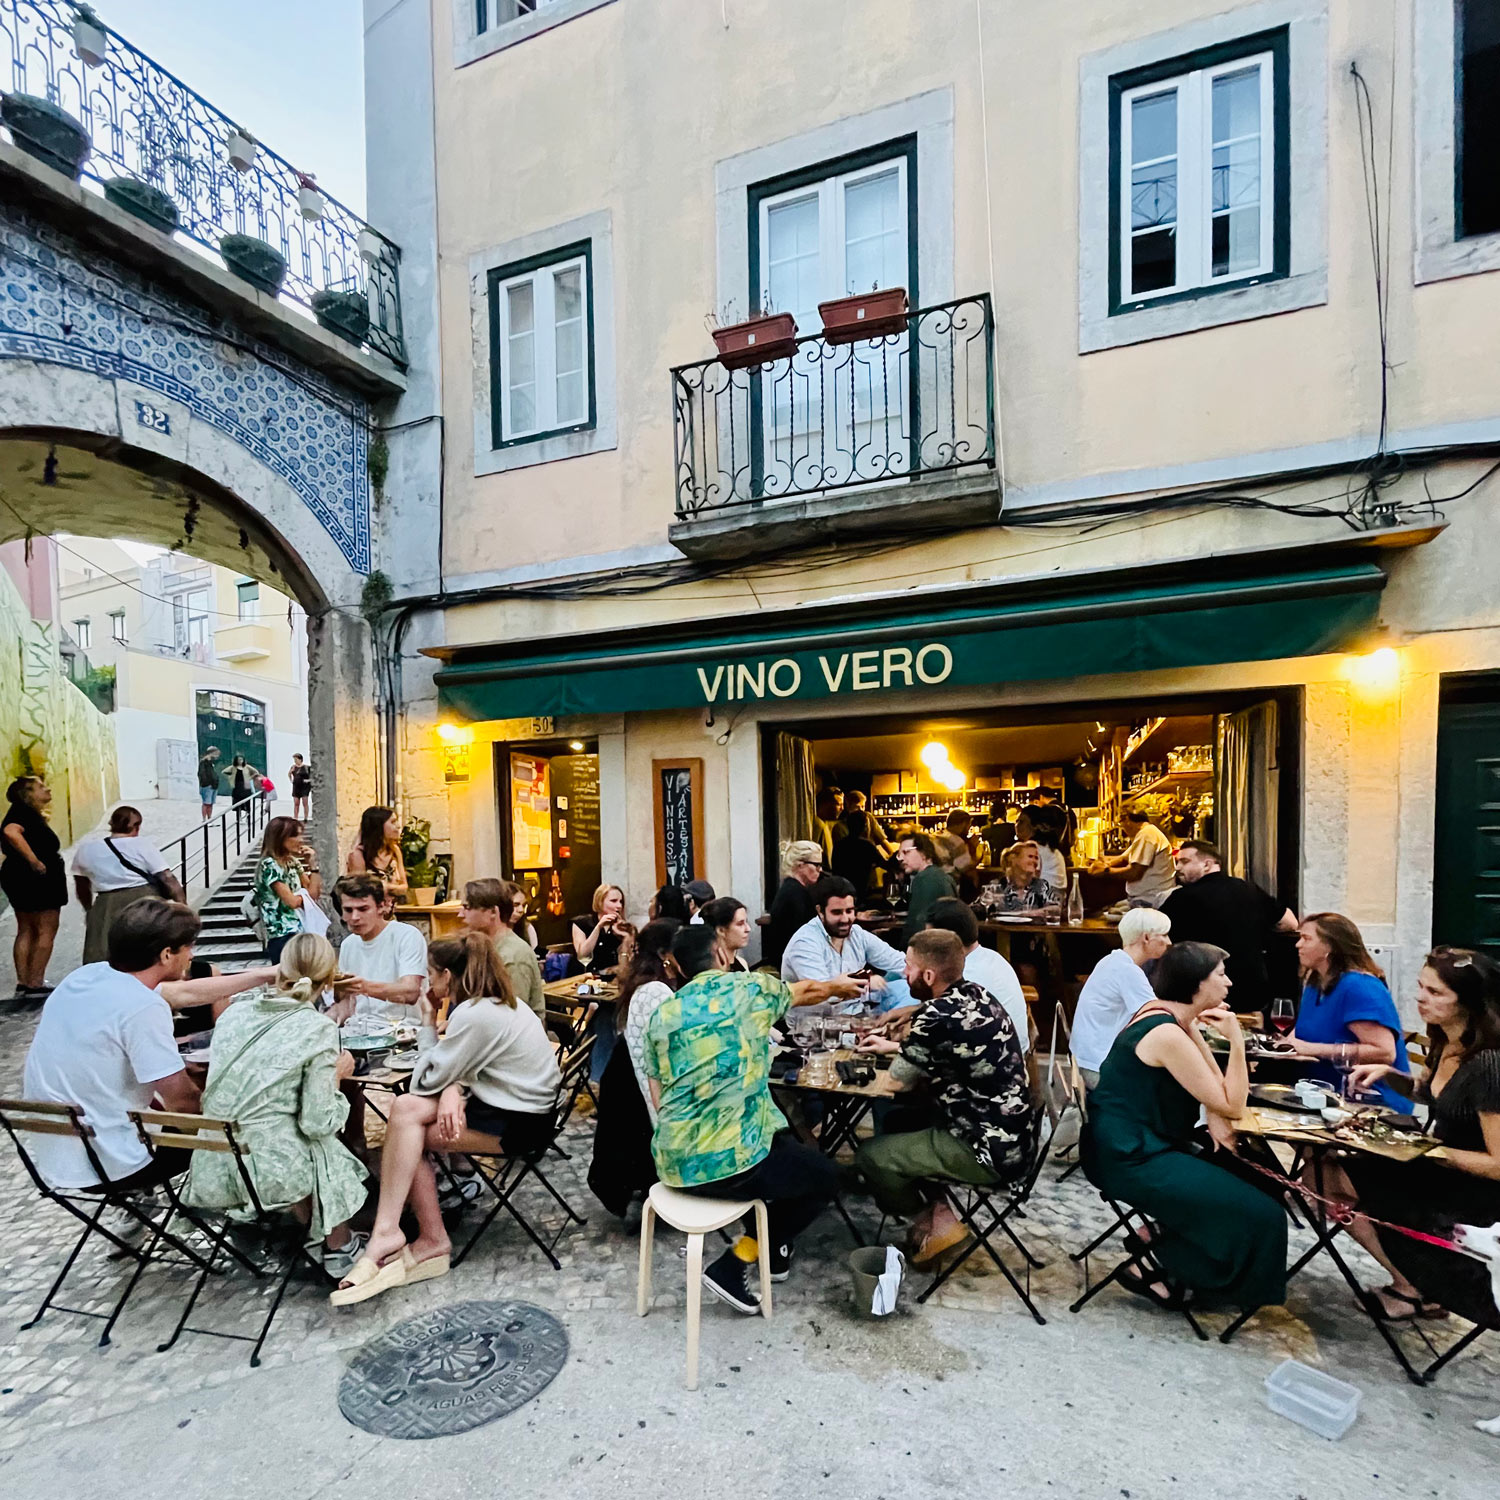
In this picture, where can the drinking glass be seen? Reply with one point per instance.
(1343, 1061)
(1283, 1016)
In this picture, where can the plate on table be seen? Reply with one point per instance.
(1282, 1096)
(195, 1055)
(1014, 917)
(366, 1043)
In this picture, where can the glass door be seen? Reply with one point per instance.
(838, 414)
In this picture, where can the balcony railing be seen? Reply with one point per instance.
(905, 406)
(145, 123)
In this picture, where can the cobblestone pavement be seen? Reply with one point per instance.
(54, 1377)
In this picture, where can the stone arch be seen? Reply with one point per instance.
(75, 456)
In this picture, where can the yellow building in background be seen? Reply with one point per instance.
(200, 656)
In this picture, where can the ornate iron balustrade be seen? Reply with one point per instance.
(145, 123)
(832, 416)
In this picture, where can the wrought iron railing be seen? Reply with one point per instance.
(210, 851)
(145, 123)
(832, 416)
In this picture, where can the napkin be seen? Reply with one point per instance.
(884, 1299)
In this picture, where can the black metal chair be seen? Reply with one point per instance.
(986, 1210)
(153, 1208)
(508, 1173)
(282, 1238)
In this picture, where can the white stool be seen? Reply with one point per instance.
(696, 1217)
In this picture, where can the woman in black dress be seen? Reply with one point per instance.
(244, 783)
(1458, 997)
(34, 880)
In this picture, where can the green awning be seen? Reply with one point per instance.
(818, 653)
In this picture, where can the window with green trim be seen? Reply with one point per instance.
(1199, 173)
(542, 346)
(247, 592)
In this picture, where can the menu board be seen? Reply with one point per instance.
(530, 812)
(678, 795)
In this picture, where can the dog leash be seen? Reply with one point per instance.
(1344, 1214)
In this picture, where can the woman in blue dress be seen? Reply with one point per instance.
(1347, 1015)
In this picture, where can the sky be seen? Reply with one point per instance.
(290, 71)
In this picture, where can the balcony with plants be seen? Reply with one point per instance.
(884, 420)
(80, 99)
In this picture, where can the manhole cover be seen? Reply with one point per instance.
(452, 1369)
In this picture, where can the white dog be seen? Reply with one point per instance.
(1483, 1244)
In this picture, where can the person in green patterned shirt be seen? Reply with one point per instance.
(718, 1134)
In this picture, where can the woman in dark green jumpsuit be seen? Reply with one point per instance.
(1214, 1234)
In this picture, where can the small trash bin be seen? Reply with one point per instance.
(866, 1266)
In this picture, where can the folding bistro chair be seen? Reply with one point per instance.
(22, 1117)
(983, 1215)
(283, 1237)
(509, 1172)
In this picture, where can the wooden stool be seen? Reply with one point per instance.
(696, 1217)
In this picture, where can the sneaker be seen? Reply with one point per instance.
(459, 1193)
(733, 1280)
(941, 1238)
(781, 1261)
(338, 1263)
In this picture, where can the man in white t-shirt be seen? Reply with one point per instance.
(1147, 862)
(104, 1043)
(983, 966)
(390, 958)
(1117, 988)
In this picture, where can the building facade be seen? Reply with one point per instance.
(1187, 421)
(200, 655)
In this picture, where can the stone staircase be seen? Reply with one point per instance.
(226, 939)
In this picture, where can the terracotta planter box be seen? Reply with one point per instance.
(756, 340)
(869, 315)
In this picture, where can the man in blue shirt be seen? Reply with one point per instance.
(833, 943)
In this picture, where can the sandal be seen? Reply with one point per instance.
(367, 1280)
(1135, 1283)
(1419, 1308)
(424, 1270)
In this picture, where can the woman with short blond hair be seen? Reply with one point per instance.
(275, 1071)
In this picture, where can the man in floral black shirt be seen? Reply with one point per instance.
(977, 1121)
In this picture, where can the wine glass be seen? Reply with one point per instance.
(1283, 1016)
(1344, 1054)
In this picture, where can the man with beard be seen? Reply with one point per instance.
(833, 943)
(976, 1121)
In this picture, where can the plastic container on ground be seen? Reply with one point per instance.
(1326, 1405)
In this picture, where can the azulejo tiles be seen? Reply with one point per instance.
(59, 306)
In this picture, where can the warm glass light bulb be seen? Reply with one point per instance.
(934, 754)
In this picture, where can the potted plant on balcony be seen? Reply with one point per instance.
(421, 872)
(763, 336)
(241, 147)
(147, 203)
(371, 245)
(343, 311)
(865, 315)
(90, 39)
(254, 261)
(46, 132)
(310, 197)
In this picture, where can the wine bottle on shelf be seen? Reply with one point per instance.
(1075, 903)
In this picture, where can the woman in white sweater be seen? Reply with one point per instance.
(493, 1076)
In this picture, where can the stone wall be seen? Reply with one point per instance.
(47, 727)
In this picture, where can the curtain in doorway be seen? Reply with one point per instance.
(796, 789)
(1247, 793)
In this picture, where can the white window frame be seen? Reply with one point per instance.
(83, 633)
(470, 43)
(1195, 148)
(542, 280)
(831, 227)
(248, 606)
(117, 626)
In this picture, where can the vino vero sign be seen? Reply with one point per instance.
(1206, 621)
(833, 673)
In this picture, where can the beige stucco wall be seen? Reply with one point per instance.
(590, 122)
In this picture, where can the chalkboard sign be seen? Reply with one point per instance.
(678, 788)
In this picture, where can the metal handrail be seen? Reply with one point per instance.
(838, 415)
(192, 857)
(146, 123)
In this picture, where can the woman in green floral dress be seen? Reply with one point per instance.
(275, 1072)
(285, 879)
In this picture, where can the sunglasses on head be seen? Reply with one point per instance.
(1459, 958)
